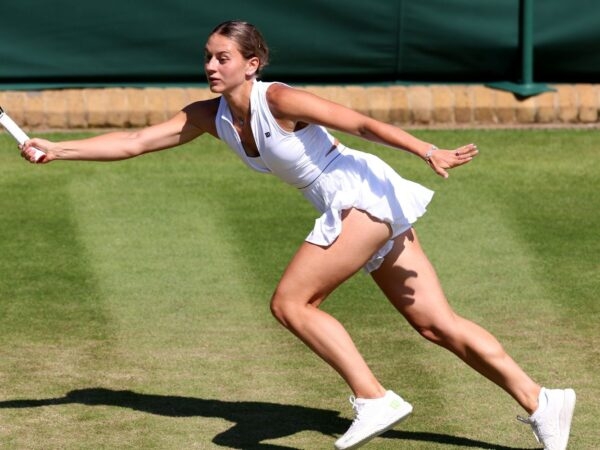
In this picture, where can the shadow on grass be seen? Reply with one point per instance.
(254, 422)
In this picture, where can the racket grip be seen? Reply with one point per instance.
(38, 154)
(18, 134)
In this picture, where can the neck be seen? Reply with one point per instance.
(239, 102)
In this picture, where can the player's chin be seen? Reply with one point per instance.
(216, 87)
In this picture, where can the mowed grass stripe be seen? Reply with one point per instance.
(54, 327)
(161, 248)
(46, 290)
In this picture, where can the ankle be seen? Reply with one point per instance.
(531, 402)
(370, 394)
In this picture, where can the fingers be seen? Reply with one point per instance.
(31, 152)
(26, 152)
(466, 152)
(443, 160)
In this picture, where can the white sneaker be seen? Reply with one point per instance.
(373, 417)
(551, 422)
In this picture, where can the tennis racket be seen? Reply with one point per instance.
(18, 134)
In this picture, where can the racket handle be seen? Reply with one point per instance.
(18, 134)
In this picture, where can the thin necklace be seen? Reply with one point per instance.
(240, 120)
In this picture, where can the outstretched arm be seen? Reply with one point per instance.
(186, 125)
(296, 105)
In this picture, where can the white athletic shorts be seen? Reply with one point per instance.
(363, 181)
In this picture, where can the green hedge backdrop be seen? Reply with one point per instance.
(116, 42)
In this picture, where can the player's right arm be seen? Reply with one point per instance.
(191, 122)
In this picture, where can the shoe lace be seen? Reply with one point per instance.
(526, 420)
(534, 426)
(356, 406)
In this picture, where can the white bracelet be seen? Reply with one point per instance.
(432, 149)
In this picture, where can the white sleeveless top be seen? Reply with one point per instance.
(334, 178)
(296, 157)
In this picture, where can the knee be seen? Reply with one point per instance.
(290, 307)
(441, 332)
(433, 333)
(282, 307)
(278, 309)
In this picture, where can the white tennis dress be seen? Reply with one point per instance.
(331, 176)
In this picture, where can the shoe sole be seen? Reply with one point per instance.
(404, 415)
(566, 415)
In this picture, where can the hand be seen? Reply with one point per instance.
(441, 160)
(28, 150)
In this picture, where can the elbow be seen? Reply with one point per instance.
(364, 131)
(365, 128)
(134, 145)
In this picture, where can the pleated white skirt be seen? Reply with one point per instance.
(363, 181)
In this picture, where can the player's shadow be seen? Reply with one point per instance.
(253, 422)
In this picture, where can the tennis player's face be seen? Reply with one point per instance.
(224, 65)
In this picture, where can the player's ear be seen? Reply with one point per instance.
(252, 66)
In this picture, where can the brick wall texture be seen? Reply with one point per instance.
(429, 106)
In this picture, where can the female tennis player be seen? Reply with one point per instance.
(367, 216)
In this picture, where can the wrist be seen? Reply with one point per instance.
(429, 153)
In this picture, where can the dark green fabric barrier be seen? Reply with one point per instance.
(143, 42)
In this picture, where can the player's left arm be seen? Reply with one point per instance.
(287, 103)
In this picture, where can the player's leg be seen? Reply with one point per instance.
(409, 281)
(313, 273)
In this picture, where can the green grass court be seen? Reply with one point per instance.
(134, 300)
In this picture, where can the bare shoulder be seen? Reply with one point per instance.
(288, 102)
(301, 106)
(202, 114)
(279, 93)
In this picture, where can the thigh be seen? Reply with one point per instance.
(410, 282)
(315, 271)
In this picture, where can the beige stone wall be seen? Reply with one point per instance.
(428, 106)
